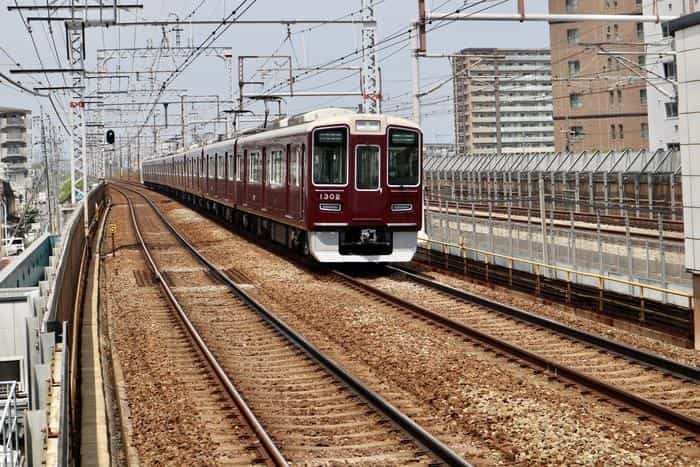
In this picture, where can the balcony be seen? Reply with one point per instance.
(14, 155)
(22, 168)
(13, 138)
(14, 122)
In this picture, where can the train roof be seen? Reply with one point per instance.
(305, 122)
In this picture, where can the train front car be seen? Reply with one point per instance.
(365, 196)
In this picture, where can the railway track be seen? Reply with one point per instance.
(312, 409)
(670, 319)
(660, 389)
(219, 412)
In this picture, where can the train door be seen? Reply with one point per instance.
(287, 175)
(294, 181)
(201, 172)
(227, 176)
(240, 175)
(218, 158)
(370, 198)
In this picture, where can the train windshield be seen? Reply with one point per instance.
(404, 163)
(330, 157)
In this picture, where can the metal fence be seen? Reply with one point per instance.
(9, 426)
(639, 183)
(653, 261)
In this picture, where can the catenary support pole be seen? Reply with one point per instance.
(415, 74)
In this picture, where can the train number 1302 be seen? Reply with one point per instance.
(330, 196)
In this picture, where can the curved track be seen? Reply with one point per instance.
(186, 365)
(660, 388)
(312, 409)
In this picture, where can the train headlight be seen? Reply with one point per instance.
(330, 207)
(401, 207)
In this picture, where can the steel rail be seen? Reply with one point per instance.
(268, 445)
(632, 400)
(432, 444)
(646, 358)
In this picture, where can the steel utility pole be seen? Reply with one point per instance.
(497, 97)
(78, 163)
(183, 125)
(370, 72)
(47, 169)
(415, 73)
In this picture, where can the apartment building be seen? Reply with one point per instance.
(508, 86)
(15, 150)
(662, 102)
(600, 96)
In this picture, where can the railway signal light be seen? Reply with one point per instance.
(110, 137)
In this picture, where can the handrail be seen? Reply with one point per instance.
(64, 453)
(9, 426)
(601, 279)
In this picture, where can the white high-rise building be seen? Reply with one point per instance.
(662, 104)
(15, 150)
(513, 86)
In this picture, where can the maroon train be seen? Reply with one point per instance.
(342, 186)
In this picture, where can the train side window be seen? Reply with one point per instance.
(239, 167)
(231, 168)
(275, 168)
(221, 174)
(212, 166)
(254, 167)
(294, 156)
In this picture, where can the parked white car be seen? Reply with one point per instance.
(14, 246)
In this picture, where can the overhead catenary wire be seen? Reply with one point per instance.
(219, 30)
(399, 37)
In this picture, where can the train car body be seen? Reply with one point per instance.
(345, 187)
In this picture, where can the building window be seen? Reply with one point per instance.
(619, 96)
(572, 36)
(665, 32)
(617, 32)
(645, 131)
(670, 70)
(574, 68)
(642, 61)
(576, 133)
(571, 6)
(643, 96)
(611, 97)
(612, 132)
(621, 131)
(671, 109)
(610, 67)
(640, 31)
(575, 101)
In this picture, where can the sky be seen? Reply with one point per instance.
(307, 47)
